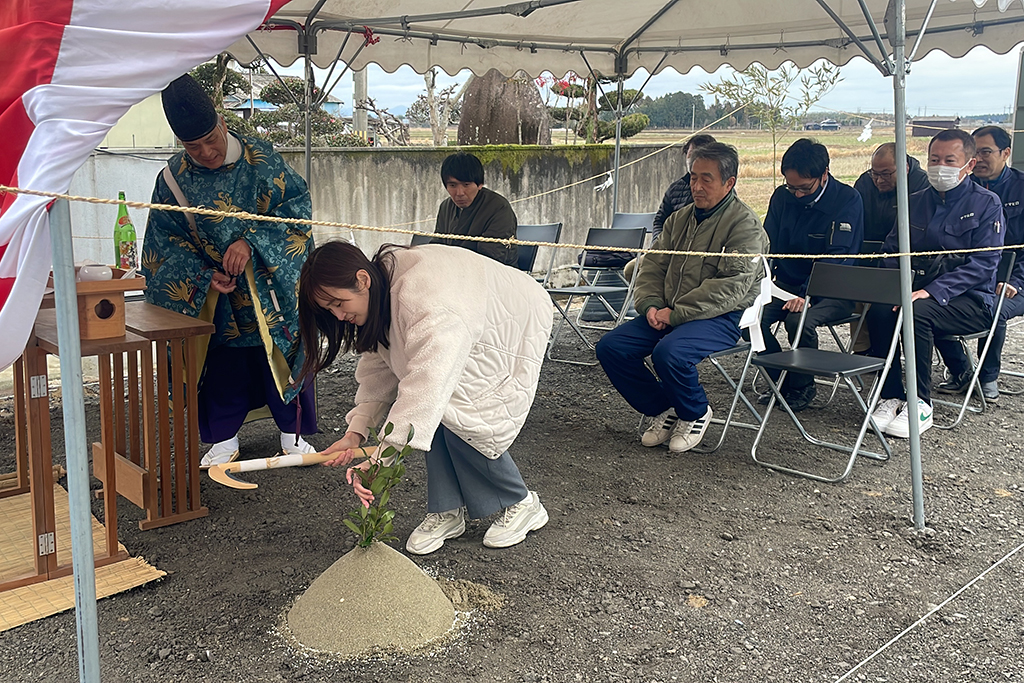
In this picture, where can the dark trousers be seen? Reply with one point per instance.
(955, 358)
(821, 312)
(962, 315)
(459, 475)
(675, 351)
(237, 381)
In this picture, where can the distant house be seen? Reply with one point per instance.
(928, 126)
(245, 103)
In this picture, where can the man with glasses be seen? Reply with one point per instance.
(992, 173)
(877, 188)
(813, 214)
(952, 293)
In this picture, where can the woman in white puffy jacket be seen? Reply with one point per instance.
(451, 344)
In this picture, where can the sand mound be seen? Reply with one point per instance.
(468, 596)
(369, 599)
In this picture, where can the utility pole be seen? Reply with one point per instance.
(360, 123)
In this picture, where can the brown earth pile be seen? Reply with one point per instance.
(371, 598)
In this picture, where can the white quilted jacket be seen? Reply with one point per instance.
(467, 338)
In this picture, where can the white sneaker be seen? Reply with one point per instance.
(661, 429)
(221, 453)
(289, 446)
(516, 521)
(435, 529)
(900, 427)
(687, 435)
(885, 412)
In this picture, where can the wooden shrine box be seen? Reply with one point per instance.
(101, 305)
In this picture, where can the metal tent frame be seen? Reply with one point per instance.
(645, 44)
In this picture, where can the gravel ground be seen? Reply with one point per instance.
(653, 568)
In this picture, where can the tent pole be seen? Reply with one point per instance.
(1017, 118)
(618, 145)
(309, 114)
(903, 228)
(75, 450)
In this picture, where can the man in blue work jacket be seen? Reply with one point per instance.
(952, 293)
(815, 214)
(992, 173)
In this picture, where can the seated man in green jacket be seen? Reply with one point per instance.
(472, 209)
(689, 307)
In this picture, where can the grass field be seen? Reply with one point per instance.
(849, 157)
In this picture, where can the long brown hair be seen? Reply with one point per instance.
(335, 265)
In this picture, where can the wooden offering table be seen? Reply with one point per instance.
(177, 380)
(149, 435)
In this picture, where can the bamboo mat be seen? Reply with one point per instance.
(28, 603)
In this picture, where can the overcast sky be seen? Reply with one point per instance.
(981, 82)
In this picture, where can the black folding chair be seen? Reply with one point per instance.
(628, 239)
(549, 232)
(420, 239)
(634, 220)
(853, 283)
(1003, 274)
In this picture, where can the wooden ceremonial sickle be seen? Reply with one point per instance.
(225, 473)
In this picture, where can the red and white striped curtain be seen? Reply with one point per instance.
(69, 69)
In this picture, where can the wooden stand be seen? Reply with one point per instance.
(149, 436)
(177, 381)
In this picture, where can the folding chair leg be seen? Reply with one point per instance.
(853, 451)
(566, 318)
(737, 396)
(972, 388)
(1015, 375)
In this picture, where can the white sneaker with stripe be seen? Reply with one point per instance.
(687, 435)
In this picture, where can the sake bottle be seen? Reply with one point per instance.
(124, 238)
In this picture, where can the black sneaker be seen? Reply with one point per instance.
(955, 385)
(799, 399)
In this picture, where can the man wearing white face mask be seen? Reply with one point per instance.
(952, 293)
(992, 172)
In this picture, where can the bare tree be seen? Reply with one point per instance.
(440, 105)
(389, 126)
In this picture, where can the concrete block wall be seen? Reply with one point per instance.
(402, 186)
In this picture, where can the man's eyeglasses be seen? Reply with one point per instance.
(884, 175)
(986, 152)
(803, 189)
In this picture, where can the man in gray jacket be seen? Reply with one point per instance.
(689, 306)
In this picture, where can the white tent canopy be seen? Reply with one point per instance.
(614, 40)
(567, 35)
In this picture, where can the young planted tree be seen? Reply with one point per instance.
(372, 523)
(769, 99)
